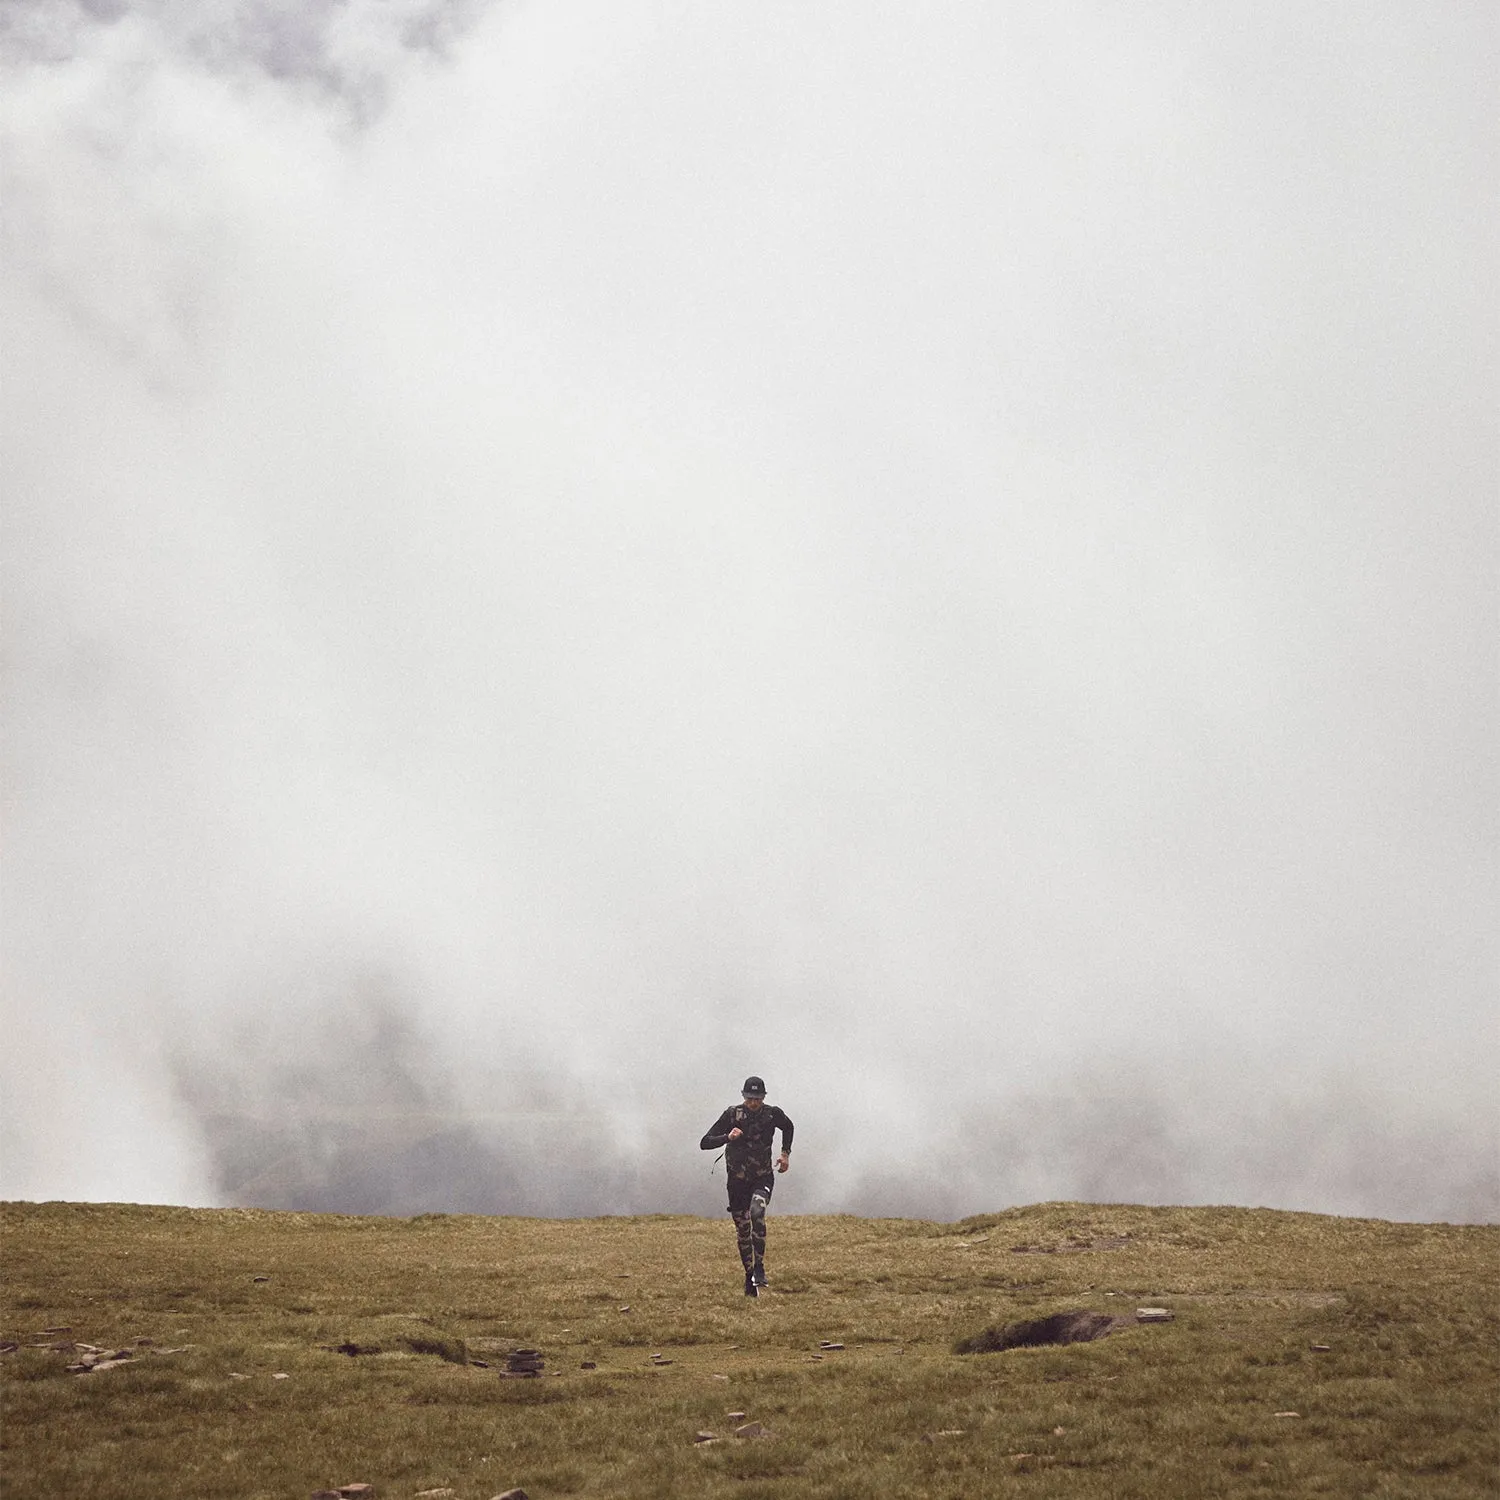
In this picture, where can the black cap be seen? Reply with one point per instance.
(755, 1088)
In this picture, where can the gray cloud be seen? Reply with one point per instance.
(896, 555)
(355, 1111)
(347, 53)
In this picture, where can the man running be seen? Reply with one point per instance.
(745, 1132)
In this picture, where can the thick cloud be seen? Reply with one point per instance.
(559, 555)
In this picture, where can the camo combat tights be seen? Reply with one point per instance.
(747, 1207)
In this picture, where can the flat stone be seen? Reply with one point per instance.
(829, 1344)
(356, 1491)
(752, 1430)
(281, 1375)
(434, 1494)
(1289, 1414)
(1153, 1315)
(588, 1364)
(1320, 1348)
(704, 1437)
(511, 1495)
(735, 1416)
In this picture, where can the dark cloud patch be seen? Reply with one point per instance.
(52, 31)
(351, 1110)
(1113, 1138)
(346, 53)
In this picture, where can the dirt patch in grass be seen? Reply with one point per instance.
(1080, 1327)
(1074, 1247)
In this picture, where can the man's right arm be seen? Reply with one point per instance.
(718, 1134)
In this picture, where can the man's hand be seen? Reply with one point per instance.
(783, 1162)
(735, 1134)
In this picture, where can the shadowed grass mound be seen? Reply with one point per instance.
(1307, 1356)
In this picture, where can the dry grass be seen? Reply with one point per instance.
(1402, 1403)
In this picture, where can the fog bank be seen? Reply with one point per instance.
(557, 556)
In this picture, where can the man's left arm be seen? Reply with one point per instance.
(784, 1122)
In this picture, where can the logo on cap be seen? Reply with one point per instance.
(755, 1088)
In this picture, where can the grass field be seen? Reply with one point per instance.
(253, 1399)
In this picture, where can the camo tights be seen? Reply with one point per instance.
(747, 1207)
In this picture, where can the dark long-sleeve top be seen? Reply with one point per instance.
(751, 1153)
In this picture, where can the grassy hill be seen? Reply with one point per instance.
(1380, 1337)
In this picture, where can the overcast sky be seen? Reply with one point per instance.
(558, 554)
